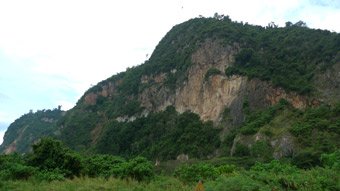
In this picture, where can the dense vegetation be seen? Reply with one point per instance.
(30, 127)
(162, 135)
(315, 130)
(51, 160)
(51, 165)
(288, 57)
(114, 153)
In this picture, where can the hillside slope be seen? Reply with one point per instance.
(200, 87)
(27, 129)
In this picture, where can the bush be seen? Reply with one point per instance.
(50, 154)
(261, 149)
(241, 150)
(235, 183)
(331, 160)
(13, 167)
(211, 72)
(104, 166)
(140, 169)
(45, 175)
(17, 172)
(196, 172)
(307, 159)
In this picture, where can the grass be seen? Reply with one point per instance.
(100, 184)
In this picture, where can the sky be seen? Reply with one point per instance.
(51, 52)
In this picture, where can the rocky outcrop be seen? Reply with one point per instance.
(107, 90)
(283, 145)
(209, 97)
(328, 84)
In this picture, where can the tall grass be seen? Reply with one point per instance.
(100, 184)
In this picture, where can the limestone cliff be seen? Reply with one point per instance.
(221, 70)
(209, 97)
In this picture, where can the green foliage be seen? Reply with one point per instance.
(230, 71)
(262, 149)
(307, 158)
(107, 166)
(288, 57)
(104, 166)
(13, 167)
(140, 168)
(50, 154)
(196, 172)
(77, 127)
(331, 160)
(211, 72)
(275, 175)
(49, 175)
(283, 176)
(318, 132)
(271, 54)
(241, 150)
(162, 135)
(202, 171)
(260, 118)
(235, 183)
(29, 128)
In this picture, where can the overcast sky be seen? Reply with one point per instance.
(53, 51)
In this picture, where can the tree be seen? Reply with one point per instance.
(140, 169)
(289, 24)
(50, 154)
(272, 25)
(300, 24)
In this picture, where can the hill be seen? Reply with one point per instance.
(29, 128)
(214, 87)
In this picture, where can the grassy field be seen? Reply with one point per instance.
(100, 184)
(267, 177)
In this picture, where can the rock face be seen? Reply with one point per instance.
(328, 84)
(208, 97)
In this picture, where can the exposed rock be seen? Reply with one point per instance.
(47, 120)
(11, 148)
(90, 98)
(126, 118)
(182, 157)
(328, 85)
(107, 90)
(209, 98)
(283, 146)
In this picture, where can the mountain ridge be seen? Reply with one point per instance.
(220, 71)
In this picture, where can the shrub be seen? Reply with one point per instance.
(13, 167)
(46, 175)
(140, 169)
(261, 149)
(307, 159)
(241, 150)
(196, 172)
(235, 183)
(211, 72)
(103, 166)
(17, 172)
(331, 160)
(51, 154)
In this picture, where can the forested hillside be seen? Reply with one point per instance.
(23, 132)
(242, 107)
(212, 87)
